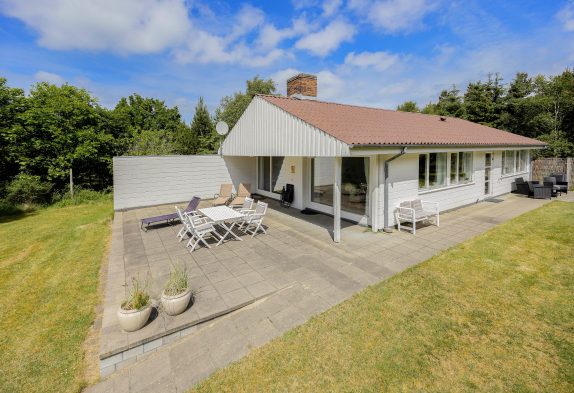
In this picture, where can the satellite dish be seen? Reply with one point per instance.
(222, 128)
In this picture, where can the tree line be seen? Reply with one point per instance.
(52, 129)
(540, 107)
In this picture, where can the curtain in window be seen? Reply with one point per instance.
(508, 162)
(422, 170)
(437, 170)
(453, 167)
(464, 167)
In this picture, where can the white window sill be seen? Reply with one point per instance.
(423, 191)
(514, 174)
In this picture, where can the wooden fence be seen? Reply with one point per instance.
(547, 166)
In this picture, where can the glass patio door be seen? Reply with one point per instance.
(268, 171)
(354, 186)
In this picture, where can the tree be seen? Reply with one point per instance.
(60, 130)
(151, 143)
(450, 103)
(135, 118)
(232, 107)
(202, 127)
(408, 106)
(12, 105)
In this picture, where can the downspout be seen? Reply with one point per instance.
(386, 197)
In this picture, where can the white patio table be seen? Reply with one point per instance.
(221, 215)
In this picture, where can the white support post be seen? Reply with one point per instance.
(337, 201)
(374, 192)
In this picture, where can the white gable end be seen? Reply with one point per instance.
(266, 130)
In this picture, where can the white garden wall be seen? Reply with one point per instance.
(153, 180)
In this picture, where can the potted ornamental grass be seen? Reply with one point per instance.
(136, 308)
(177, 293)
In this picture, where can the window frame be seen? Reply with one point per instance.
(517, 157)
(427, 186)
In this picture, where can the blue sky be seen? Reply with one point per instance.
(375, 53)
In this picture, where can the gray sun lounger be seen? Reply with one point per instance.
(146, 222)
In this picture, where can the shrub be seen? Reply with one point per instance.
(9, 209)
(28, 189)
(81, 196)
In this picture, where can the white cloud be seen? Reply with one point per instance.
(566, 16)
(208, 48)
(328, 39)
(45, 76)
(330, 7)
(247, 19)
(270, 36)
(394, 15)
(127, 26)
(379, 61)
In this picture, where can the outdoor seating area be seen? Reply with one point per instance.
(217, 222)
(296, 254)
(551, 187)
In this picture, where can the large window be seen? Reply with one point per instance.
(514, 161)
(322, 172)
(354, 180)
(432, 170)
(268, 173)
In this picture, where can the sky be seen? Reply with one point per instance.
(376, 53)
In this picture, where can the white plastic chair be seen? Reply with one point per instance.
(252, 223)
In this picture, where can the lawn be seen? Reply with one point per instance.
(493, 314)
(49, 264)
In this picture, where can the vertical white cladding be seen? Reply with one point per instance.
(267, 130)
(403, 183)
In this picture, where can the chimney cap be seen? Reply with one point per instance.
(302, 75)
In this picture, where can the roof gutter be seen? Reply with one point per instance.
(445, 145)
(386, 227)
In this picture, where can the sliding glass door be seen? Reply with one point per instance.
(354, 185)
(268, 171)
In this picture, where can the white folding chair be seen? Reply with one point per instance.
(246, 207)
(252, 223)
(185, 228)
(201, 228)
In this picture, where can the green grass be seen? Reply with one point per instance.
(49, 264)
(494, 314)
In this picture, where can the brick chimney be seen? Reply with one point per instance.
(302, 85)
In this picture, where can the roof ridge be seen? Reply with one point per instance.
(357, 106)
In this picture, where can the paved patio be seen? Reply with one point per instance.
(249, 292)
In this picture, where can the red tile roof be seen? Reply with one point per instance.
(357, 125)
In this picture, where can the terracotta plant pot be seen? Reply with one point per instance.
(174, 305)
(132, 320)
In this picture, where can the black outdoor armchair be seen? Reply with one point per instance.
(525, 188)
(561, 180)
(561, 188)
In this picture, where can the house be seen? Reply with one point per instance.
(359, 163)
